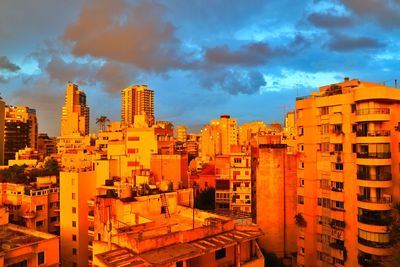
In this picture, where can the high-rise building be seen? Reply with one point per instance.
(218, 137)
(181, 133)
(137, 106)
(20, 131)
(348, 170)
(47, 146)
(2, 125)
(75, 112)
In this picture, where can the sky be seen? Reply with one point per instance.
(249, 59)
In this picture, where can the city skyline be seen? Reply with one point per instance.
(256, 53)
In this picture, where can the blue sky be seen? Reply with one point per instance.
(249, 59)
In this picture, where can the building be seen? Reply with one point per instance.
(289, 133)
(2, 126)
(77, 187)
(233, 184)
(47, 146)
(348, 170)
(75, 112)
(137, 106)
(22, 246)
(181, 133)
(20, 131)
(276, 193)
(248, 130)
(171, 168)
(218, 137)
(162, 230)
(36, 205)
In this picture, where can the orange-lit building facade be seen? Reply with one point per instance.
(348, 172)
(2, 125)
(137, 106)
(161, 230)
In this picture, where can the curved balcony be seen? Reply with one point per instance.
(373, 203)
(372, 224)
(373, 114)
(378, 136)
(374, 158)
(29, 214)
(374, 248)
(382, 180)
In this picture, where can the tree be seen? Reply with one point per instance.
(51, 167)
(299, 220)
(101, 122)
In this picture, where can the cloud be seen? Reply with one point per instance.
(386, 13)
(6, 64)
(343, 43)
(234, 81)
(134, 34)
(326, 20)
(114, 77)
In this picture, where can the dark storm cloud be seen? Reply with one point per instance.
(386, 13)
(116, 31)
(6, 64)
(114, 77)
(343, 43)
(326, 20)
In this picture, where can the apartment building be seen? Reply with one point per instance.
(2, 125)
(233, 182)
(348, 170)
(137, 106)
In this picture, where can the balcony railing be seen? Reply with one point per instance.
(374, 155)
(361, 133)
(387, 199)
(373, 244)
(379, 221)
(376, 177)
(368, 111)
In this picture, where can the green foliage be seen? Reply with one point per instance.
(205, 199)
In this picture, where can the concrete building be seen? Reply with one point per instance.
(21, 246)
(289, 133)
(2, 127)
(276, 193)
(348, 141)
(77, 187)
(161, 230)
(47, 146)
(75, 112)
(181, 133)
(35, 206)
(233, 184)
(20, 131)
(248, 130)
(137, 106)
(171, 168)
(218, 137)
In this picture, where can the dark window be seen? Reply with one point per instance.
(39, 223)
(39, 207)
(222, 185)
(354, 148)
(74, 251)
(73, 237)
(338, 147)
(74, 210)
(74, 264)
(179, 264)
(221, 253)
(354, 128)
(73, 223)
(40, 258)
(19, 264)
(53, 219)
(353, 108)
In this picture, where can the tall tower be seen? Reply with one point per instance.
(2, 124)
(75, 112)
(348, 171)
(20, 130)
(137, 106)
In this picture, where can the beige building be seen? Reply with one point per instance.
(218, 137)
(181, 133)
(348, 140)
(2, 125)
(75, 112)
(137, 106)
(35, 206)
(22, 246)
(161, 230)
(20, 131)
(289, 133)
(248, 130)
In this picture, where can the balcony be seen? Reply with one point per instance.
(29, 214)
(374, 248)
(378, 136)
(378, 221)
(373, 114)
(374, 203)
(374, 158)
(382, 180)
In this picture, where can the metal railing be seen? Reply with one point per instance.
(374, 244)
(368, 111)
(383, 200)
(376, 177)
(361, 133)
(374, 155)
(379, 221)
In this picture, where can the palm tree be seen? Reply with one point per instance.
(101, 122)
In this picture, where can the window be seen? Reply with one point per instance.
(354, 128)
(237, 160)
(324, 184)
(73, 196)
(179, 264)
(74, 264)
(40, 259)
(53, 219)
(324, 147)
(338, 204)
(221, 253)
(324, 110)
(324, 202)
(337, 128)
(39, 223)
(73, 237)
(74, 210)
(338, 147)
(301, 131)
(324, 128)
(301, 182)
(74, 252)
(353, 108)
(338, 166)
(301, 165)
(302, 251)
(39, 207)
(300, 200)
(73, 181)
(73, 223)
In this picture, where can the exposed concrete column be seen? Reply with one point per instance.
(237, 255)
